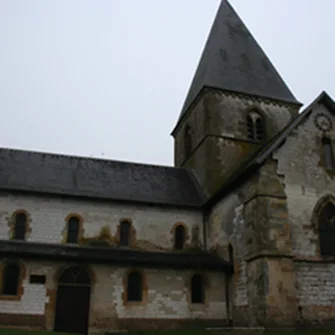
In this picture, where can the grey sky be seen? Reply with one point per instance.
(88, 77)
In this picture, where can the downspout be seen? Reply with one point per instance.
(227, 299)
(204, 227)
(230, 283)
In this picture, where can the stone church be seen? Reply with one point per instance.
(240, 232)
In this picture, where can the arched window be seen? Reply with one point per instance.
(260, 129)
(125, 233)
(255, 126)
(197, 289)
(231, 253)
(20, 226)
(134, 286)
(10, 279)
(73, 229)
(328, 154)
(250, 127)
(187, 141)
(179, 237)
(327, 230)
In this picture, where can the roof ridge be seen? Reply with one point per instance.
(78, 157)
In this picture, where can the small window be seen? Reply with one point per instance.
(187, 141)
(255, 126)
(231, 253)
(134, 286)
(37, 279)
(197, 289)
(179, 237)
(250, 127)
(328, 154)
(327, 230)
(10, 279)
(20, 226)
(125, 233)
(73, 228)
(260, 130)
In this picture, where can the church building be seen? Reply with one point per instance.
(241, 231)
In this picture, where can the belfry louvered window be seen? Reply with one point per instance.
(255, 126)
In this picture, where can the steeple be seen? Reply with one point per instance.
(233, 61)
(236, 103)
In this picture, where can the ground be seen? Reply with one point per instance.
(190, 332)
(26, 332)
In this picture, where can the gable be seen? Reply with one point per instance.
(252, 164)
(301, 158)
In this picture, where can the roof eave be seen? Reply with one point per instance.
(185, 113)
(194, 206)
(113, 256)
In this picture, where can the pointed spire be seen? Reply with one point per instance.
(232, 60)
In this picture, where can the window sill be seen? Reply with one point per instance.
(134, 303)
(10, 297)
(198, 306)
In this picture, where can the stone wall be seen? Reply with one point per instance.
(47, 220)
(219, 134)
(226, 227)
(167, 302)
(306, 182)
(253, 220)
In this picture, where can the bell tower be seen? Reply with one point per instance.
(237, 101)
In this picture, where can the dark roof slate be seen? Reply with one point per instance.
(97, 178)
(264, 152)
(233, 60)
(115, 256)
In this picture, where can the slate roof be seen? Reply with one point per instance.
(256, 161)
(97, 178)
(232, 60)
(116, 256)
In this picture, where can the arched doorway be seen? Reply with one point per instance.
(73, 301)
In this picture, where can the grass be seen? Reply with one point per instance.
(27, 332)
(203, 332)
(305, 332)
(178, 332)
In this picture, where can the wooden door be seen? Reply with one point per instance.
(72, 303)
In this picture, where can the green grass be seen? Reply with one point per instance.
(178, 332)
(26, 332)
(203, 332)
(301, 332)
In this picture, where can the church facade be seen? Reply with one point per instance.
(240, 232)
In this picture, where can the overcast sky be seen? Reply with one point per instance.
(109, 77)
